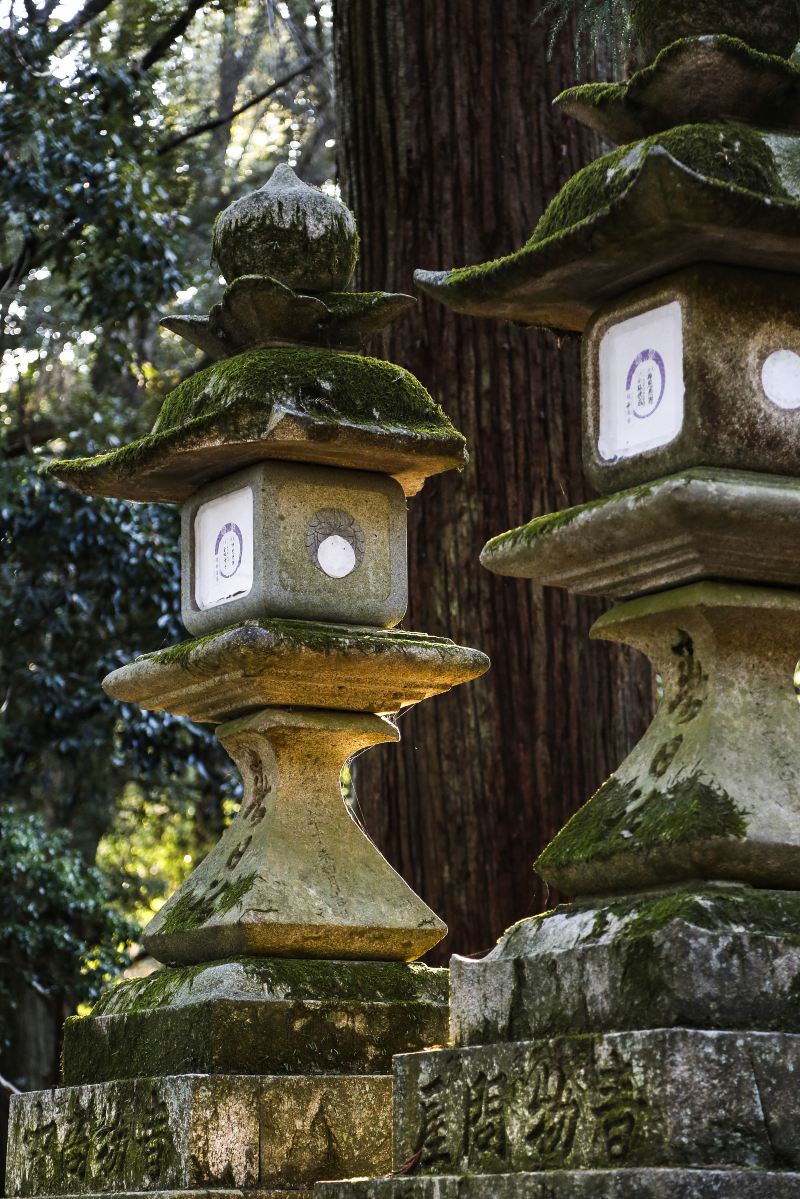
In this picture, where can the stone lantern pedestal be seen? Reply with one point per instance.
(641, 1042)
(257, 1059)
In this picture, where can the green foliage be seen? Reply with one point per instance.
(84, 586)
(58, 934)
(85, 195)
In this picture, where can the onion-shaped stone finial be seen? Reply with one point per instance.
(294, 233)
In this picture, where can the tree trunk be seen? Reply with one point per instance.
(449, 151)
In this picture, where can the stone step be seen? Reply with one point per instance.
(707, 958)
(198, 1132)
(663, 1098)
(577, 1184)
(258, 1017)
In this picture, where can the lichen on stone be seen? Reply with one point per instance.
(734, 155)
(240, 397)
(297, 234)
(194, 908)
(626, 818)
(314, 636)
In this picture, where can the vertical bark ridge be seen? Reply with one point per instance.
(449, 153)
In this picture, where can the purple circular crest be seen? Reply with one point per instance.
(230, 527)
(640, 360)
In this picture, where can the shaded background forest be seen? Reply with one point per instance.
(125, 126)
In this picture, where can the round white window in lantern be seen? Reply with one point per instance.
(780, 378)
(336, 556)
(335, 542)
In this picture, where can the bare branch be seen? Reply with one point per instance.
(8, 1087)
(207, 126)
(90, 10)
(161, 46)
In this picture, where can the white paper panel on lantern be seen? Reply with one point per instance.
(224, 548)
(641, 383)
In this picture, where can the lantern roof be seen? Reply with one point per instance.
(709, 170)
(693, 80)
(699, 193)
(305, 405)
(288, 381)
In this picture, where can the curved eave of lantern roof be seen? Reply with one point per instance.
(704, 523)
(295, 663)
(697, 193)
(693, 80)
(304, 405)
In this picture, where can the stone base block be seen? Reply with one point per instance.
(197, 1132)
(259, 1016)
(283, 1193)
(670, 1098)
(578, 1184)
(704, 957)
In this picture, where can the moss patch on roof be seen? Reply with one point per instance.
(242, 396)
(730, 79)
(734, 155)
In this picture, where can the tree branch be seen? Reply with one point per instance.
(207, 126)
(90, 10)
(162, 45)
(8, 1087)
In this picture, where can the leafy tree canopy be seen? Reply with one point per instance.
(125, 125)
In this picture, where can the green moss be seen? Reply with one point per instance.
(734, 155)
(769, 25)
(636, 91)
(142, 994)
(551, 522)
(730, 155)
(622, 819)
(193, 909)
(290, 978)
(247, 239)
(327, 385)
(311, 635)
(642, 916)
(237, 399)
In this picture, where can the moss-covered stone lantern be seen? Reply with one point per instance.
(257, 1059)
(641, 1041)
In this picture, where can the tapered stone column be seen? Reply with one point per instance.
(643, 1041)
(256, 1061)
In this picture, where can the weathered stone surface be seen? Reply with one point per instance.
(772, 26)
(577, 1184)
(257, 311)
(297, 234)
(292, 511)
(692, 80)
(294, 875)
(315, 1130)
(297, 404)
(259, 1016)
(177, 1133)
(732, 323)
(272, 663)
(662, 1098)
(630, 217)
(254, 1193)
(712, 958)
(704, 524)
(159, 1134)
(713, 788)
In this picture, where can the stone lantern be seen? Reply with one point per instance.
(641, 1041)
(257, 1060)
